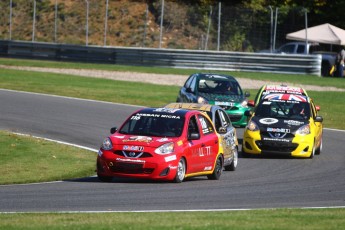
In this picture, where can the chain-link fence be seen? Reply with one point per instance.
(154, 24)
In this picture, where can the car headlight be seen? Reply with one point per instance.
(252, 126)
(107, 145)
(244, 103)
(202, 100)
(167, 148)
(304, 130)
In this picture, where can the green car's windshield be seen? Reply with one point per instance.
(219, 86)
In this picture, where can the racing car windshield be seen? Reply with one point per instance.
(283, 109)
(153, 124)
(219, 86)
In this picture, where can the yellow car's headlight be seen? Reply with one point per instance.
(252, 126)
(304, 130)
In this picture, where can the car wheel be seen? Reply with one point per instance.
(217, 169)
(105, 178)
(319, 149)
(312, 152)
(181, 171)
(233, 165)
(244, 154)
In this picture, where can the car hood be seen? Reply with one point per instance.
(278, 125)
(133, 141)
(222, 97)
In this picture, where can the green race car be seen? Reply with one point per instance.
(217, 89)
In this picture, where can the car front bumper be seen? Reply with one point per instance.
(300, 146)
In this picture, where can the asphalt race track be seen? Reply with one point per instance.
(257, 182)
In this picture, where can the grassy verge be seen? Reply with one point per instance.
(25, 160)
(256, 219)
(279, 78)
(331, 103)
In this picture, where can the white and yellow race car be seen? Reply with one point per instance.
(284, 124)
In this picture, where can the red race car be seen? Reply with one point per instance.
(161, 144)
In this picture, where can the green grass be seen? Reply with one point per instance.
(331, 103)
(279, 78)
(25, 160)
(255, 219)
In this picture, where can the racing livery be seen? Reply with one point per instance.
(161, 144)
(228, 142)
(285, 124)
(284, 89)
(216, 89)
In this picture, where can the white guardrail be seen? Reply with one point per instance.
(173, 58)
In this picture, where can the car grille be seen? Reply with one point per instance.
(288, 136)
(279, 145)
(276, 146)
(132, 154)
(235, 118)
(130, 168)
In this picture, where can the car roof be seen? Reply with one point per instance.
(285, 97)
(190, 106)
(216, 76)
(284, 89)
(170, 111)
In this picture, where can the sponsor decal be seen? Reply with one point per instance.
(164, 139)
(275, 139)
(282, 89)
(139, 115)
(268, 121)
(278, 130)
(179, 143)
(166, 110)
(133, 148)
(129, 160)
(201, 152)
(207, 168)
(224, 103)
(293, 122)
(121, 137)
(139, 138)
(170, 158)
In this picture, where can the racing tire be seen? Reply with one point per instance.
(217, 169)
(313, 151)
(233, 165)
(319, 149)
(105, 178)
(244, 154)
(181, 171)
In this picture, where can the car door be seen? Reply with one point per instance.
(318, 125)
(229, 138)
(205, 154)
(187, 92)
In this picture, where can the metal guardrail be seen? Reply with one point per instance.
(173, 58)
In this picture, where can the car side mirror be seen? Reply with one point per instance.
(194, 136)
(248, 113)
(222, 130)
(113, 130)
(246, 94)
(251, 103)
(318, 119)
